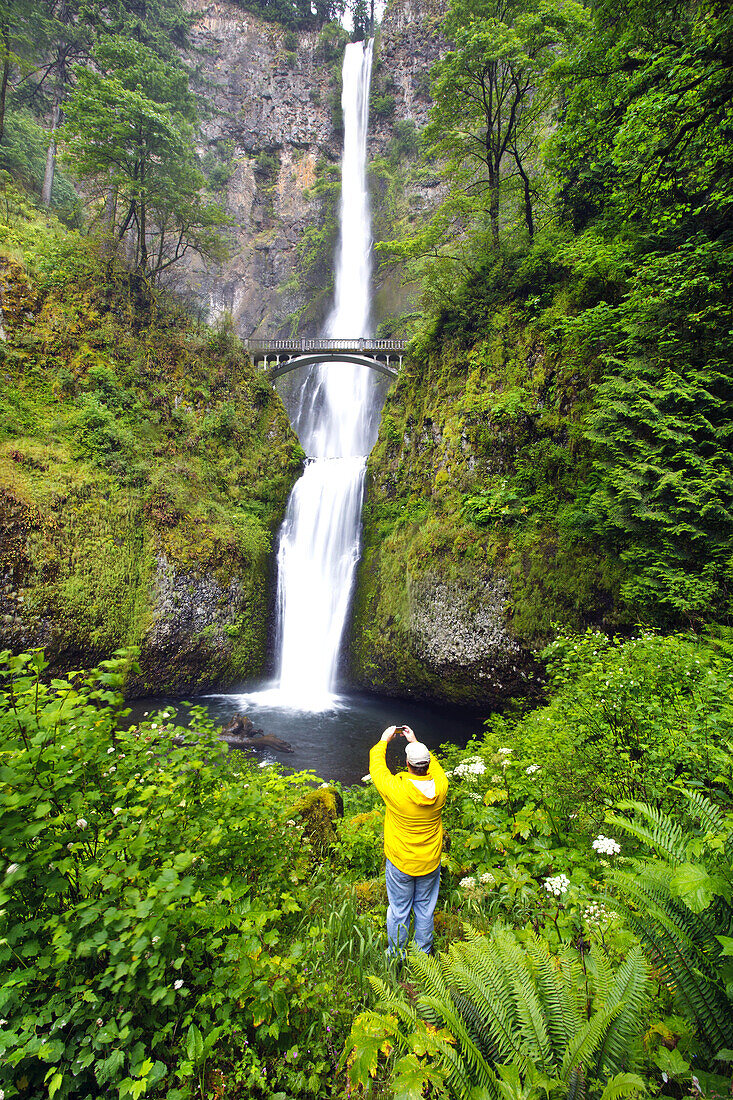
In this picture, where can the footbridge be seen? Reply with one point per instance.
(277, 357)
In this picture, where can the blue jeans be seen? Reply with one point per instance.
(410, 893)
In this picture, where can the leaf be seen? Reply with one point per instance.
(694, 885)
(194, 1044)
(370, 1034)
(410, 1078)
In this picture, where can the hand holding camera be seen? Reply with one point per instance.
(398, 731)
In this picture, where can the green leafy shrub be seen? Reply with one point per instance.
(500, 1016)
(148, 883)
(680, 904)
(626, 720)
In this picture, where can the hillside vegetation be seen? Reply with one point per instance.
(558, 447)
(144, 467)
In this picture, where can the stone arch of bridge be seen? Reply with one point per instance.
(279, 369)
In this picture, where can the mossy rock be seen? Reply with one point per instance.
(319, 810)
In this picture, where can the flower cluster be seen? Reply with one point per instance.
(532, 769)
(597, 914)
(471, 885)
(505, 752)
(557, 885)
(606, 845)
(82, 822)
(473, 766)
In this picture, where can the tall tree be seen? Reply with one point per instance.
(492, 93)
(129, 127)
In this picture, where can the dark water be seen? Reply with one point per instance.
(334, 743)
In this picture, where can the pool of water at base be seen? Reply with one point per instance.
(335, 742)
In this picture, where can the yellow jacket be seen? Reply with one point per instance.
(413, 831)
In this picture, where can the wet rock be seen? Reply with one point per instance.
(238, 728)
(268, 741)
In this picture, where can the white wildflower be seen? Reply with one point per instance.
(366, 778)
(117, 810)
(487, 879)
(532, 769)
(82, 822)
(606, 845)
(467, 883)
(12, 868)
(178, 984)
(469, 768)
(109, 751)
(100, 1022)
(505, 752)
(557, 885)
(156, 939)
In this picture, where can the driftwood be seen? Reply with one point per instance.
(240, 733)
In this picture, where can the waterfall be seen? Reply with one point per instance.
(336, 420)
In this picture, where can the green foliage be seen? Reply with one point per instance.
(149, 898)
(628, 720)
(129, 446)
(680, 904)
(662, 419)
(502, 1011)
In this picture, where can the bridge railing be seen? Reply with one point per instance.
(364, 344)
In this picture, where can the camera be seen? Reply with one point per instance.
(400, 731)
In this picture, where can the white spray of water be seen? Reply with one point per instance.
(336, 423)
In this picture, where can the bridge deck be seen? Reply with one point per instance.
(278, 357)
(364, 344)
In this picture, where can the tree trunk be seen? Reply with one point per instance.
(109, 217)
(50, 172)
(529, 219)
(5, 35)
(142, 222)
(494, 207)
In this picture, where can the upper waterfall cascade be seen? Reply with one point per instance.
(336, 419)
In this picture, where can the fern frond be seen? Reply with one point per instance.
(528, 1005)
(583, 1047)
(624, 1086)
(711, 816)
(629, 994)
(470, 1063)
(561, 1012)
(709, 1005)
(661, 834)
(577, 1086)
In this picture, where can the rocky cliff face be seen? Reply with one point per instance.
(267, 96)
(271, 136)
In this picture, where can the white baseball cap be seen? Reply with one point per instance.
(417, 753)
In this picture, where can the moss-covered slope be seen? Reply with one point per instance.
(476, 539)
(143, 468)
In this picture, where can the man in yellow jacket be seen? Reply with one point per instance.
(413, 837)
